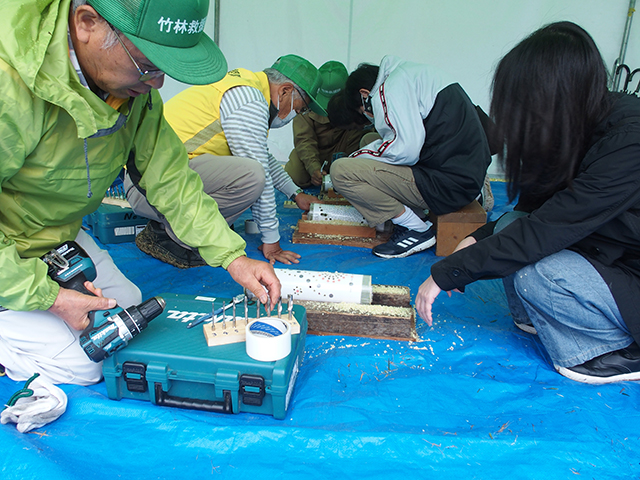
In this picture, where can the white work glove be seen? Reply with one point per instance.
(38, 403)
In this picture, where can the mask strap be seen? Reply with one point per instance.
(366, 105)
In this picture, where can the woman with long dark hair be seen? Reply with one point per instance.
(570, 252)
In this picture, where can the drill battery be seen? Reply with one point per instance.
(115, 224)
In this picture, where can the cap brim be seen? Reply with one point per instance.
(201, 64)
(316, 107)
(323, 100)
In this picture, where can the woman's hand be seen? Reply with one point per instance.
(427, 293)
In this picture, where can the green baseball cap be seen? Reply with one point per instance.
(170, 33)
(334, 78)
(303, 74)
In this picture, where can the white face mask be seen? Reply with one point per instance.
(278, 122)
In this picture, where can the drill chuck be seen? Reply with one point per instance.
(111, 330)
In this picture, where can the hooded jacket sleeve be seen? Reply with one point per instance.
(245, 121)
(398, 120)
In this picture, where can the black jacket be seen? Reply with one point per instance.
(455, 156)
(599, 218)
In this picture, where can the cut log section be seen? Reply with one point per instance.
(392, 320)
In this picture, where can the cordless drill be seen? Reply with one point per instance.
(108, 330)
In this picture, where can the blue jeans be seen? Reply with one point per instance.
(518, 313)
(571, 308)
(568, 303)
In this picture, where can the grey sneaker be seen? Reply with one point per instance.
(525, 326)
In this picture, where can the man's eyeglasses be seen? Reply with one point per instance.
(147, 74)
(304, 110)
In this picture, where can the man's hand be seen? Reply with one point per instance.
(317, 177)
(427, 293)
(73, 307)
(255, 276)
(273, 253)
(304, 201)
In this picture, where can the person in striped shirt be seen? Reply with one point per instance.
(224, 127)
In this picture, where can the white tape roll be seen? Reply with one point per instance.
(268, 339)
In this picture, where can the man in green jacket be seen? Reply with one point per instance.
(79, 99)
(315, 139)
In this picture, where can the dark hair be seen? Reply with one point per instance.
(362, 77)
(340, 116)
(548, 95)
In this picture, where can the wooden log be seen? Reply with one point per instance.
(395, 319)
(332, 198)
(453, 227)
(332, 193)
(391, 295)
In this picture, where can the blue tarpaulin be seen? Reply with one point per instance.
(474, 397)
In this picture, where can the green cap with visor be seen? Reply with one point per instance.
(170, 33)
(334, 78)
(305, 75)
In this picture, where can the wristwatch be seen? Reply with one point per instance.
(295, 194)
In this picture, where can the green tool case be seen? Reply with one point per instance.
(171, 365)
(114, 224)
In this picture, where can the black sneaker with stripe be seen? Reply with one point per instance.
(405, 242)
(620, 365)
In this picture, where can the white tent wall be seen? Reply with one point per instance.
(464, 38)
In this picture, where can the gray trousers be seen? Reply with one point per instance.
(235, 183)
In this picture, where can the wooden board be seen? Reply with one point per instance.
(118, 202)
(332, 233)
(319, 239)
(472, 213)
(334, 228)
(224, 333)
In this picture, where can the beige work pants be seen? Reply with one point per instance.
(378, 190)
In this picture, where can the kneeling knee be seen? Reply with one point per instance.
(338, 171)
(524, 280)
(256, 176)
